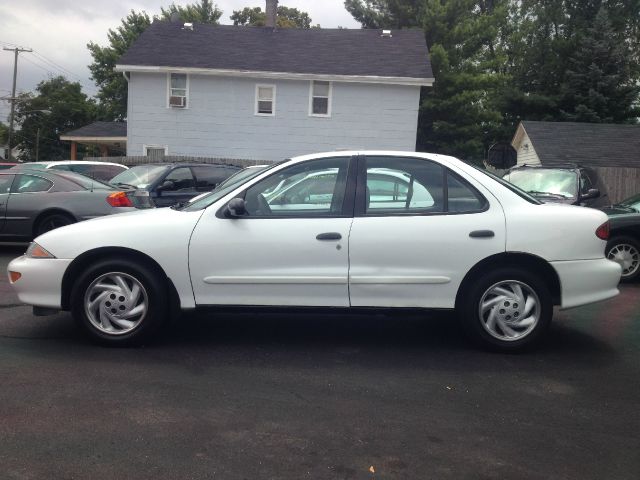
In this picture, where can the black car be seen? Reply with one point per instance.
(172, 183)
(570, 184)
(624, 237)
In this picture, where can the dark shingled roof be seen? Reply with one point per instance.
(287, 50)
(100, 129)
(588, 144)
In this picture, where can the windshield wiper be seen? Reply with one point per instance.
(549, 194)
(122, 184)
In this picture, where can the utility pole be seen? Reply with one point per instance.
(15, 51)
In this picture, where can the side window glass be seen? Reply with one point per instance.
(5, 183)
(463, 198)
(207, 178)
(403, 185)
(312, 188)
(585, 183)
(182, 179)
(31, 184)
(66, 168)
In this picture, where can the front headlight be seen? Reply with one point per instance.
(36, 251)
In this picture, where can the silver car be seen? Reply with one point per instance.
(33, 202)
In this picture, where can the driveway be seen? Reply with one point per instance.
(278, 396)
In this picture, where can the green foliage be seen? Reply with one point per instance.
(203, 12)
(386, 13)
(112, 87)
(287, 17)
(67, 108)
(599, 86)
(4, 133)
(497, 62)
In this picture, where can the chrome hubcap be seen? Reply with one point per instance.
(116, 303)
(509, 310)
(626, 256)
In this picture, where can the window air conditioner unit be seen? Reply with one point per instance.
(177, 102)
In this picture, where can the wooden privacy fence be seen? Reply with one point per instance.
(620, 181)
(131, 161)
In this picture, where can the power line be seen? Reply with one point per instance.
(54, 64)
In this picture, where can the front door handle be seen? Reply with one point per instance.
(482, 234)
(329, 236)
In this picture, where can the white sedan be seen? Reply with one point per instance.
(360, 229)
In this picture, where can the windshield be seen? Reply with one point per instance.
(226, 187)
(510, 186)
(631, 202)
(140, 176)
(542, 181)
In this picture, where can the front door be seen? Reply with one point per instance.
(179, 185)
(5, 189)
(291, 247)
(418, 229)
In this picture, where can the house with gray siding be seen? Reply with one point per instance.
(267, 94)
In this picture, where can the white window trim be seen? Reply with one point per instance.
(186, 93)
(321, 115)
(145, 147)
(273, 101)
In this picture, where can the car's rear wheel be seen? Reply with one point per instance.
(120, 302)
(506, 309)
(52, 221)
(625, 251)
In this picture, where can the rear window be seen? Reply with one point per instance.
(101, 172)
(85, 182)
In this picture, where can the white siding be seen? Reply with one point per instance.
(526, 153)
(220, 119)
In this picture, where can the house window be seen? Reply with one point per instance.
(178, 90)
(155, 151)
(320, 101)
(266, 100)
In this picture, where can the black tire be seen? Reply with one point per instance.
(154, 291)
(52, 221)
(473, 321)
(629, 246)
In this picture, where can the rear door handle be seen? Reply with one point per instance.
(329, 236)
(482, 234)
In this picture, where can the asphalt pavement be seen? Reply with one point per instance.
(249, 395)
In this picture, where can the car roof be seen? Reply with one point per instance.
(186, 164)
(51, 163)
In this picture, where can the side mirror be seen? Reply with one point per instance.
(167, 185)
(236, 208)
(591, 193)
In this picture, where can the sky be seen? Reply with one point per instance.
(59, 30)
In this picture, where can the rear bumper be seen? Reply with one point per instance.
(40, 283)
(587, 281)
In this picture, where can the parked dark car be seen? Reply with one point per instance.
(103, 171)
(172, 183)
(624, 238)
(570, 184)
(33, 202)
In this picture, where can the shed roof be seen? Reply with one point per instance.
(588, 144)
(341, 52)
(99, 130)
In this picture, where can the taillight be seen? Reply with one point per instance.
(603, 231)
(119, 199)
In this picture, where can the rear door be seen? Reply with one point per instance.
(5, 189)
(28, 197)
(418, 229)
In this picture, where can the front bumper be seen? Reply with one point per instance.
(587, 281)
(40, 283)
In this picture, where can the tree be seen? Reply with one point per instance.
(599, 86)
(386, 13)
(203, 12)
(112, 87)
(4, 133)
(67, 108)
(287, 17)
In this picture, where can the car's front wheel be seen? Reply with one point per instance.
(119, 302)
(625, 251)
(507, 309)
